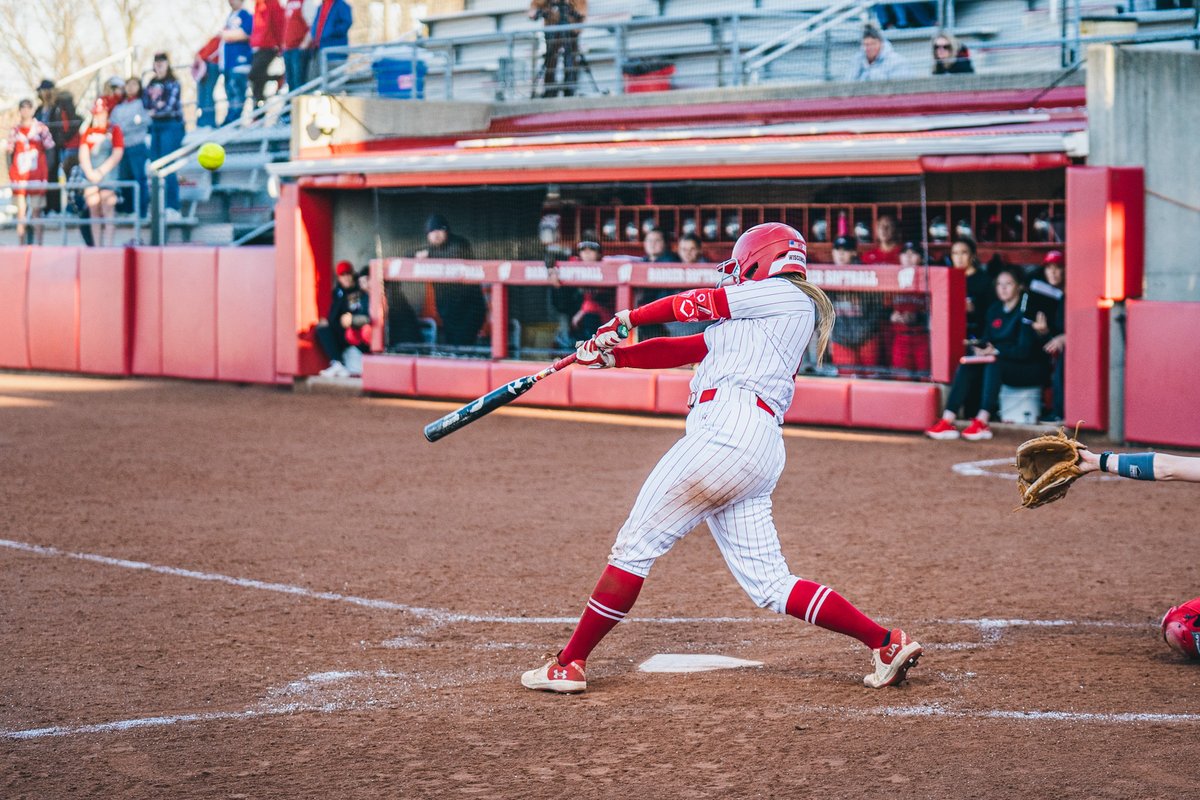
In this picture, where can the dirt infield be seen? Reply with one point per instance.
(214, 591)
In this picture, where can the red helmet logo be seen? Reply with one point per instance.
(767, 250)
(1181, 628)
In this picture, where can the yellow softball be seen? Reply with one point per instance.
(211, 155)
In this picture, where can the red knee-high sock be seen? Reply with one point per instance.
(822, 606)
(614, 595)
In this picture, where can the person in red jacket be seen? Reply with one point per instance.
(28, 144)
(887, 246)
(296, 24)
(206, 68)
(266, 36)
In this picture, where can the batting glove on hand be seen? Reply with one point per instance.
(588, 354)
(613, 332)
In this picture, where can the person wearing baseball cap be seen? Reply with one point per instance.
(460, 306)
(114, 92)
(845, 251)
(57, 112)
(588, 250)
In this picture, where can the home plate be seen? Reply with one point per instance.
(693, 662)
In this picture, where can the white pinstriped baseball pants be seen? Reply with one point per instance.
(722, 472)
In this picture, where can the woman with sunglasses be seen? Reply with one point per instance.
(950, 57)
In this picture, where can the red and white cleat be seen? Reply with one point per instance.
(555, 677)
(977, 431)
(942, 430)
(893, 661)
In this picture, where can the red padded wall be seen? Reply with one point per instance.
(105, 286)
(189, 312)
(820, 401)
(551, 391)
(53, 308)
(618, 390)
(947, 321)
(246, 314)
(147, 311)
(671, 391)
(390, 375)
(1162, 383)
(303, 268)
(457, 378)
(14, 276)
(893, 405)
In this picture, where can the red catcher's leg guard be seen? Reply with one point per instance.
(615, 593)
(824, 607)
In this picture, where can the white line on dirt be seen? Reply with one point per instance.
(980, 469)
(1122, 718)
(440, 616)
(157, 722)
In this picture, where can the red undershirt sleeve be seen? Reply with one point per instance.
(694, 305)
(662, 353)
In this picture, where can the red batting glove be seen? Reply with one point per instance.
(613, 332)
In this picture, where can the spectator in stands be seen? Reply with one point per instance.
(100, 150)
(964, 256)
(887, 246)
(329, 332)
(845, 251)
(131, 117)
(877, 60)
(949, 56)
(266, 37)
(331, 28)
(860, 320)
(28, 146)
(460, 306)
(161, 99)
(560, 43)
(297, 20)
(582, 310)
(906, 15)
(1009, 352)
(910, 320)
(1052, 331)
(57, 112)
(114, 92)
(206, 68)
(235, 58)
(690, 252)
(654, 245)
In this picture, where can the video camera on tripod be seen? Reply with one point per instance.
(564, 10)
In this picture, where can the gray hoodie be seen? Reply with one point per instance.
(887, 66)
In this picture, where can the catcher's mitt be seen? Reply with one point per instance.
(1047, 466)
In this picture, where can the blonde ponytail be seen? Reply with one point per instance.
(824, 306)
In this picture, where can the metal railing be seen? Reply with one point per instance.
(836, 14)
(63, 220)
(91, 74)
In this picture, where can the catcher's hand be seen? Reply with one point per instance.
(1047, 466)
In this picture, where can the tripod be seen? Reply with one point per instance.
(562, 46)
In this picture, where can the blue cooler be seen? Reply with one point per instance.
(394, 77)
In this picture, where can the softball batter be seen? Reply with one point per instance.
(725, 468)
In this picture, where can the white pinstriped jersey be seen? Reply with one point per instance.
(760, 348)
(724, 469)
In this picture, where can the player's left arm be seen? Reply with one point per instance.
(1162, 466)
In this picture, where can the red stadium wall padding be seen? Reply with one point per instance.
(947, 321)
(893, 405)
(390, 375)
(53, 308)
(671, 391)
(303, 272)
(618, 390)
(105, 310)
(246, 314)
(147, 311)
(1162, 381)
(552, 391)
(820, 401)
(189, 312)
(14, 277)
(456, 378)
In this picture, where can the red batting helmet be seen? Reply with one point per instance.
(1181, 628)
(766, 250)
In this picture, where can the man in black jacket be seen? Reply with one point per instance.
(460, 305)
(57, 112)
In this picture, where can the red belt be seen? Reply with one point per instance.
(711, 394)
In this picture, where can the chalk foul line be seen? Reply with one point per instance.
(1114, 718)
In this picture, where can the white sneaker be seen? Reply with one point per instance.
(893, 661)
(172, 215)
(554, 677)
(336, 369)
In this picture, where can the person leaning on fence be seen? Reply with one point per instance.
(560, 12)
(161, 99)
(1009, 352)
(28, 146)
(100, 149)
(235, 58)
(460, 306)
(949, 56)
(131, 117)
(877, 60)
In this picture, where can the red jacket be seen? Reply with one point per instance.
(295, 27)
(267, 31)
